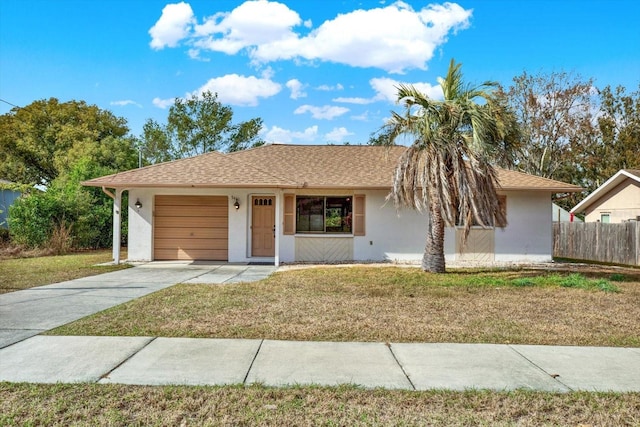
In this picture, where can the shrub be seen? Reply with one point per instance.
(62, 219)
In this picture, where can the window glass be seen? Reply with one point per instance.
(338, 215)
(309, 216)
(323, 214)
(605, 218)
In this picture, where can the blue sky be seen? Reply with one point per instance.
(315, 71)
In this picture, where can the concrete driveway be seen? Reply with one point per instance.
(29, 312)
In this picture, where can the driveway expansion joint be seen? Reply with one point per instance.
(255, 356)
(389, 346)
(534, 364)
(106, 375)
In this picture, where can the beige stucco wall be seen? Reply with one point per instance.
(621, 203)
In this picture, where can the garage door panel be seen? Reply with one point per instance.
(191, 228)
(188, 222)
(191, 201)
(191, 243)
(191, 232)
(191, 254)
(200, 211)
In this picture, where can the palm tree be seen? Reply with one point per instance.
(447, 170)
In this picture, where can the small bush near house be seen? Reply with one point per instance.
(66, 216)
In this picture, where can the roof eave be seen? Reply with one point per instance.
(616, 179)
(183, 185)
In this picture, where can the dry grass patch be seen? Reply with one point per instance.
(389, 305)
(121, 405)
(23, 273)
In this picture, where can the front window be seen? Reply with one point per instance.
(323, 214)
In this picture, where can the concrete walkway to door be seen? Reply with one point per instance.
(29, 312)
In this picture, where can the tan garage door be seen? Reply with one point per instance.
(191, 228)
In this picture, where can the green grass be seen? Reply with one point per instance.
(122, 405)
(388, 304)
(24, 273)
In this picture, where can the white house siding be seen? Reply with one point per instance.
(528, 236)
(391, 235)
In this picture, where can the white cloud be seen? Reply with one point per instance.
(360, 101)
(124, 103)
(240, 90)
(195, 54)
(328, 88)
(233, 89)
(387, 89)
(338, 134)
(364, 117)
(327, 112)
(296, 88)
(393, 38)
(253, 23)
(285, 136)
(163, 103)
(174, 25)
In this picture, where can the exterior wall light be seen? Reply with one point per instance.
(138, 205)
(236, 204)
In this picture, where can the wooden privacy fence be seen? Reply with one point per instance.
(596, 241)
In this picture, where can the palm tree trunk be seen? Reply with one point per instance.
(433, 258)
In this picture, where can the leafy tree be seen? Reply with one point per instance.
(155, 143)
(574, 132)
(35, 141)
(59, 145)
(555, 112)
(619, 136)
(447, 169)
(195, 126)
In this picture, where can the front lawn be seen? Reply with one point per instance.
(23, 273)
(122, 405)
(392, 304)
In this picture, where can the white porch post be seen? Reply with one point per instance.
(117, 215)
(278, 226)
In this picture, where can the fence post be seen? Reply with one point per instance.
(638, 243)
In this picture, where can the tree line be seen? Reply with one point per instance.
(560, 126)
(49, 147)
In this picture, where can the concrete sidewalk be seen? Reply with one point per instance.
(191, 361)
(26, 313)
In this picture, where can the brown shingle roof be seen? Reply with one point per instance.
(208, 170)
(327, 166)
(291, 166)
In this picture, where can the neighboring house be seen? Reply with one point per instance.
(296, 203)
(617, 200)
(7, 197)
(559, 214)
